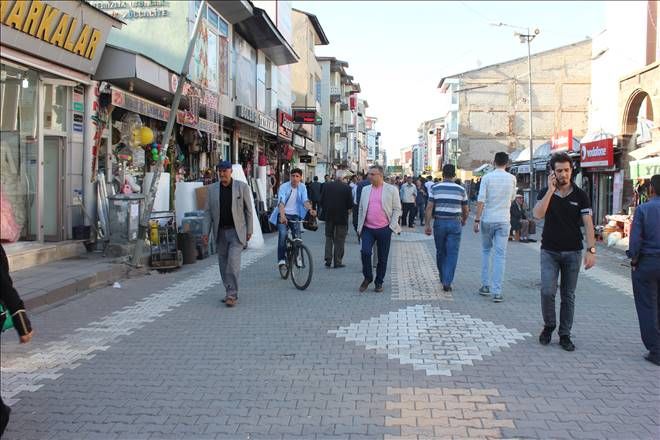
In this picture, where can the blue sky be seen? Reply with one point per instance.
(399, 50)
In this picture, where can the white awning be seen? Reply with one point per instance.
(652, 149)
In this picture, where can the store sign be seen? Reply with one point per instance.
(307, 117)
(246, 113)
(305, 159)
(562, 141)
(284, 125)
(298, 141)
(597, 154)
(207, 98)
(130, 10)
(645, 168)
(75, 33)
(266, 123)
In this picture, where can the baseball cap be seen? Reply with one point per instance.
(223, 165)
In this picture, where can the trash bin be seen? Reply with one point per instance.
(124, 216)
(187, 245)
(198, 223)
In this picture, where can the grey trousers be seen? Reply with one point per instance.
(229, 260)
(335, 238)
(552, 265)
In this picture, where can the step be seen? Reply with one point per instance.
(24, 255)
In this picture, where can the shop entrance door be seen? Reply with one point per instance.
(53, 188)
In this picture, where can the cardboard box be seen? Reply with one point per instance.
(201, 194)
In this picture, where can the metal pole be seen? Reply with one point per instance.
(531, 144)
(151, 194)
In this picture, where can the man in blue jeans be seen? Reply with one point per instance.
(565, 208)
(644, 251)
(448, 206)
(496, 192)
(292, 205)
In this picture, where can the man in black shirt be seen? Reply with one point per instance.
(565, 208)
(336, 202)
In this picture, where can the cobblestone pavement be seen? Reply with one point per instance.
(162, 358)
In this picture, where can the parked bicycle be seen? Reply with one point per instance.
(298, 260)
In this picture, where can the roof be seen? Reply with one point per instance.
(515, 60)
(317, 26)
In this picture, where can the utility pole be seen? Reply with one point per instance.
(151, 194)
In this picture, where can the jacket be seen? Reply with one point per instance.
(391, 205)
(517, 213)
(283, 196)
(10, 299)
(336, 200)
(241, 208)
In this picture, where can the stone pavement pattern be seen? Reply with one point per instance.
(162, 358)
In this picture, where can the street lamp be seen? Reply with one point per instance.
(527, 38)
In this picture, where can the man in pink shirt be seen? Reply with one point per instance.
(378, 217)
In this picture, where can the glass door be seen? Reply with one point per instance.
(53, 188)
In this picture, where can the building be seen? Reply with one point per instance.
(46, 116)
(407, 162)
(306, 87)
(430, 138)
(492, 103)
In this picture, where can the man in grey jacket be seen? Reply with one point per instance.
(231, 219)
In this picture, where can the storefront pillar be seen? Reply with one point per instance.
(89, 193)
(40, 162)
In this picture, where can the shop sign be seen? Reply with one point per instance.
(285, 125)
(305, 159)
(131, 10)
(207, 98)
(307, 116)
(267, 123)
(645, 168)
(246, 113)
(597, 154)
(562, 141)
(298, 141)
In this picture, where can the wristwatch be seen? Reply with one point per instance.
(592, 250)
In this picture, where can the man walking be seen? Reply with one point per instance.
(292, 205)
(498, 189)
(336, 202)
(315, 192)
(380, 208)
(409, 198)
(565, 208)
(357, 194)
(231, 211)
(448, 207)
(644, 251)
(421, 200)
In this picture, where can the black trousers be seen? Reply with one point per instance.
(646, 289)
(409, 211)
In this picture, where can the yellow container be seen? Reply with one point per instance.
(153, 231)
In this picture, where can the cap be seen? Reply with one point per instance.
(223, 165)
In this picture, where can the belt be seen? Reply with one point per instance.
(447, 217)
(226, 227)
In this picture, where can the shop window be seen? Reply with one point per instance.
(245, 72)
(55, 107)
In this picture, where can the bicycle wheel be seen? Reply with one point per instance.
(301, 267)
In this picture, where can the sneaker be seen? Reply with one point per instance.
(546, 335)
(231, 301)
(484, 291)
(566, 343)
(498, 298)
(446, 288)
(379, 288)
(281, 263)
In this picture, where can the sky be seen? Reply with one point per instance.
(399, 50)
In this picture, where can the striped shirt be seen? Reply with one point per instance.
(497, 191)
(448, 199)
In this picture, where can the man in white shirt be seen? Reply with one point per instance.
(408, 199)
(497, 191)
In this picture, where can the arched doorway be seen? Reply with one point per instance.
(639, 104)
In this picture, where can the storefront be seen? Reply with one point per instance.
(601, 178)
(45, 120)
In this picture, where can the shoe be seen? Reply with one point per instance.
(566, 343)
(281, 263)
(653, 359)
(498, 298)
(364, 285)
(524, 240)
(4, 417)
(339, 266)
(531, 240)
(446, 288)
(328, 264)
(379, 288)
(231, 301)
(546, 335)
(224, 300)
(484, 291)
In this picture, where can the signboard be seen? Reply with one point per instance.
(562, 141)
(298, 141)
(394, 169)
(645, 168)
(597, 154)
(72, 34)
(266, 123)
(305, 159)
(246, 113)
(284, 125)
(307, 117)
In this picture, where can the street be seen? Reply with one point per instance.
(163, 358)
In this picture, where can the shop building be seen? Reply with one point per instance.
(46, 126)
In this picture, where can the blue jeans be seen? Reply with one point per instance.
(383, 237)
(552, 265)
(447, 234)
(421, 208)
(282, 230)
(494, 235)
(646, 288)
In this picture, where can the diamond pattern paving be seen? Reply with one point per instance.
(414, 274)
(429, 338)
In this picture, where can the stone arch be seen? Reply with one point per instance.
(631, 110)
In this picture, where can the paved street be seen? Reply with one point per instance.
(162, 358)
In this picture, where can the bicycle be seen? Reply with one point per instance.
(298, 260)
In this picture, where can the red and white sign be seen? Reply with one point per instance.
(597, 154)
(562, 141)
(285, 125)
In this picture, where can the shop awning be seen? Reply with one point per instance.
(261, 33)
(232, 11)
(483, 169)
(645, 168)
(651, 149)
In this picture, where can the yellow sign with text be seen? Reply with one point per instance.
(50, 24)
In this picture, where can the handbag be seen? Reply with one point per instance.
(5, 318)
(310, 222)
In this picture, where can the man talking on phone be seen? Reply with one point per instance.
(565, 208)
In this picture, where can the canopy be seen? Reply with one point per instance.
(651, 149)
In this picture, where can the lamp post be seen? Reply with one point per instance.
(527, 38)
